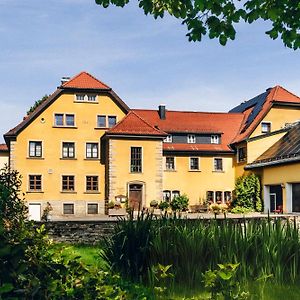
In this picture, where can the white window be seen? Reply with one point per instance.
(215, 139)
(218, 164)
(194, 163)
(79, 97)
(168, 139)
(175, 194)
(68, 150)
(35, 149)
(167, 195)
(265, 127)
(191, 139)
(170, 163)
(91, 98)
(92, 150)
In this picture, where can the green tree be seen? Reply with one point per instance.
(248, 193)
(36, 104)
(218, 18)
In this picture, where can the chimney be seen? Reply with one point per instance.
(64, 79)
(162, 111)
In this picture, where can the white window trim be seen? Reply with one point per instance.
(168, 139)
(64, 119)
(142, 167)
(85, 98)
(220, 171)
(61, 149)
(215, 139)
(28, 150)
(165, 164)
(266, 122)
(73, 206)
(92, 142)
(28, 183)
(91, 192)
(61, 183)
(199, 166)
(87, 204)
(189, 137)
(98, 115)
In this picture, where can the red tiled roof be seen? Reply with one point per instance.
(3, 147)
(227, 124)
(132, 124)
(275, 95)
(85, 80)
(195, 147)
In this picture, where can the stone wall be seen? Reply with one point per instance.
(84, 232)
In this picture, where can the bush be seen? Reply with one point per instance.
(241, 210)
(248, 193)
(180, 203)
(163, 205)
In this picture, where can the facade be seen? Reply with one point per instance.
(83, 147)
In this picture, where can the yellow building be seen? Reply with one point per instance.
(83, 147)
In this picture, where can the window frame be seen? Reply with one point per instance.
(175, 193)
(92, 155)
(105, 125)
(165, 192)
(87, 208)
(68, 190)
(212, 194)
(64, 120)
(244, 159)
(73, 208)
(214, 164)
(215, 139)
(190, 163)
(191, 139)
(35, 190)
(68, 151)
(167, 168)
(268, 124)
(139, 167)
(91, 183)
(168, 139)
(35, 149)
(115, 121)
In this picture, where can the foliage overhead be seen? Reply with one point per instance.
(218, 18)
(36, 104)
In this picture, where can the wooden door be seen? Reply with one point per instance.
(135, 196)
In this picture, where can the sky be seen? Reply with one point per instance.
(147, 62)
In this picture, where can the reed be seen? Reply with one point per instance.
(261, 247)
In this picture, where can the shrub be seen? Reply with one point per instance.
(154, 203)
(180, 203)
(241, 210)
(248, 193)
(163, 205)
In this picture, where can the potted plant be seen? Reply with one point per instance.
(115, 209)
(180, 203)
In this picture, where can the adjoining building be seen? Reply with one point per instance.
(83, 147)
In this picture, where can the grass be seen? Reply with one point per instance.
(89, 255)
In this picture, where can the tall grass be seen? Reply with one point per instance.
(262, 247)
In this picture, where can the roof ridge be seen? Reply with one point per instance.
(86, 73)
(189, 111)
(279, 86)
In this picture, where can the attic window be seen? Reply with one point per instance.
(85, 98)
(191, 139)
(215, 139)
(265, 127)
(168, 139)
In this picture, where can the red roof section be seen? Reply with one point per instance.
(226, 124)
(85, 80)
(132, 124)
(276, 94)
(3, 147)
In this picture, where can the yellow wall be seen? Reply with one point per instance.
(278, 116)
(257, 147)
(3, 159)
(196, 183)
(120, 175)
(52, 167)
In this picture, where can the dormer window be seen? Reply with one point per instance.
(85, 98)
(265, 127)
(191, 139)
(168, 139)
(215, 139)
